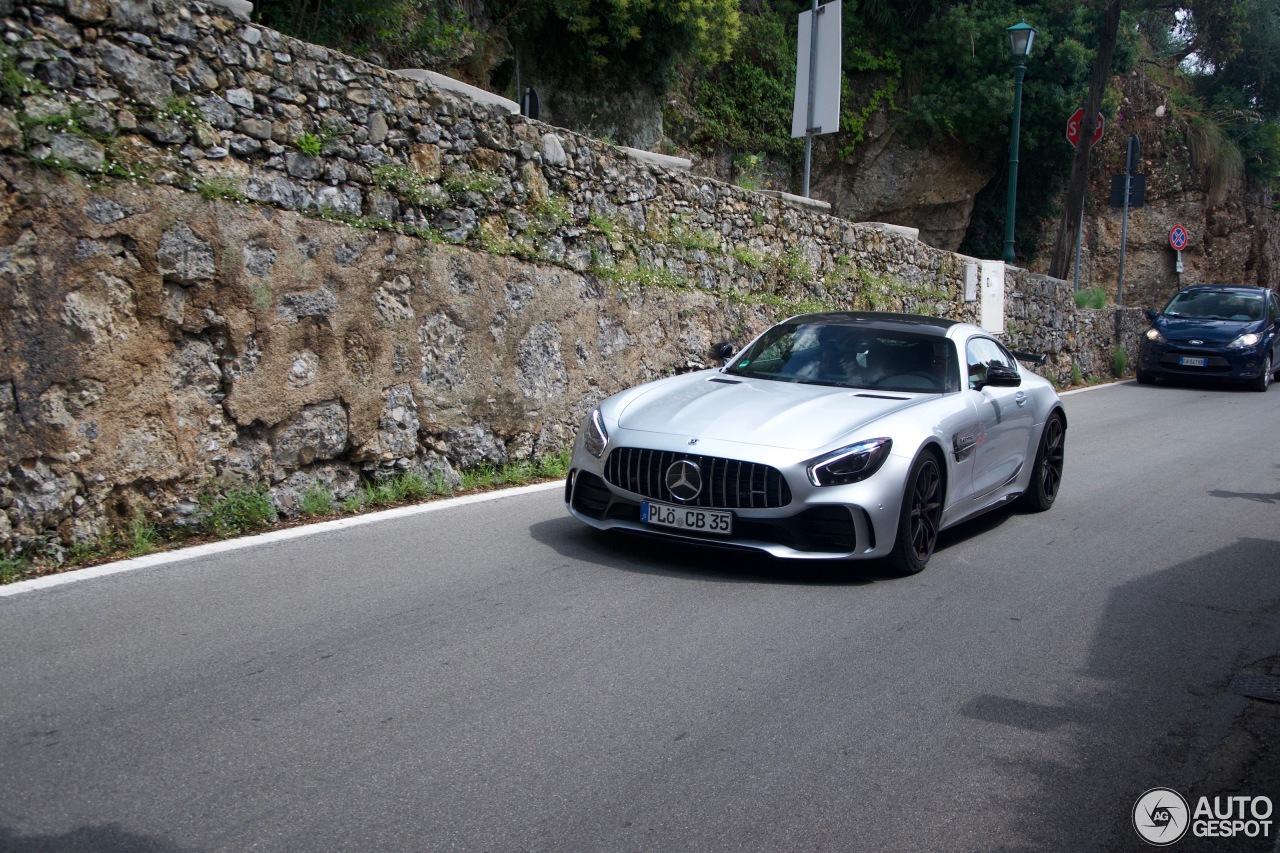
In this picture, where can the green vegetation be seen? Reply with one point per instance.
(221, 187)
(143, 536)
(12, 569)
(487, 476)
(745, 103)
(309, 144)
(316, 500)
(398, 33)
(13, 82)
(242, 509)
(408, 184)
(1091, 297)
(483, 184)
(1119, 361)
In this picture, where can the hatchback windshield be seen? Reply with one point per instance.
(850, 357)
(1216, 305)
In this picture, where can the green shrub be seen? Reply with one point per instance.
(144, 537)
(1091, 297)
(1119, 361)
(316, 500)
(309, 144)
(12, 569)
(241, 510)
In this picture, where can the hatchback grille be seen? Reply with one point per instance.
(726, 483)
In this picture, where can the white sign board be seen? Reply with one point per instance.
(826, 72)
(992, 275)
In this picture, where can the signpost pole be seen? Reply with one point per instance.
(1079, 242)
(813, 85)
(1131, 163)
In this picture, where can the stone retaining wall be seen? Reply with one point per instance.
(229, 257)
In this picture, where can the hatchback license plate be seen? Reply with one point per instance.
(1190, 361)
(687, 518)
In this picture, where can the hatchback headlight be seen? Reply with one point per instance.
(850, 464)
(594, 435)
(1153, 334)
(1244, 341)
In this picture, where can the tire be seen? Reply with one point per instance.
(920, 517)
(1046, 477)
(1263, 382)
(1145, 378)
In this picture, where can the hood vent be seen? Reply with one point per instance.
(725, 381)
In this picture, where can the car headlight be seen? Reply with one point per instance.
(1247, 340)
(1153, 334)
(850, 464)
(594, 436)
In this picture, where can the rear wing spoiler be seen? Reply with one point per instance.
(1029, 357)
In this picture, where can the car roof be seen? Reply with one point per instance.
(879, 320)
(1226, 288)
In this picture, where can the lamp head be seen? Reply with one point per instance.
(1020, 38)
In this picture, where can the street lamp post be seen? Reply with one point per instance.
(1020, 38)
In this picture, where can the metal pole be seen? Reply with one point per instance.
(1124, 236)
(1079, 241)
(813, 82)
(1019, 72)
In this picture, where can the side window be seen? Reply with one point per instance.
(982, 353)
(1275, 307)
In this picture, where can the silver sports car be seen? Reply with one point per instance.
(831, 436)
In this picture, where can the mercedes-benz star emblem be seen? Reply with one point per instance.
(684, 480)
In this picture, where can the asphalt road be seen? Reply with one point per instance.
(497, 677)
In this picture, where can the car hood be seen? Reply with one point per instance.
(1209, 331)
(755, 411)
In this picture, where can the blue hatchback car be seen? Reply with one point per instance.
(1216, 331)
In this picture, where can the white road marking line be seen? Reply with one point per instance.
(225, 545)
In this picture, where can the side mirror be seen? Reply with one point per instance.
(724, 351)
(1150, 315)
(999, 376)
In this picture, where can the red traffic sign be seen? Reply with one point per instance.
(1178, 238)
(1073, 128)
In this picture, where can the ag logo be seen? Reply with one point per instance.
(1160, 816)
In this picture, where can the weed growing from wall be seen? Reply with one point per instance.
(241, 510)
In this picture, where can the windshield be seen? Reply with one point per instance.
(1216, 305)
(850, 357)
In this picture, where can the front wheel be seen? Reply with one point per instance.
(920, 517)
(1046, 477)
(1264, 379)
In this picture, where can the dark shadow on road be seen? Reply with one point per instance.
(109, 838)
(1272, 498)
(1164, 654)
(1204, 384)
(634, 552)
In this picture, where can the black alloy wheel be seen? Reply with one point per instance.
(1046, 477)
(1263, 382)
(920, 518)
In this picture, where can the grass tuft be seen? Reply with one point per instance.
(241, 510)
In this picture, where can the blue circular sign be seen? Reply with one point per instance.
(1178, 237)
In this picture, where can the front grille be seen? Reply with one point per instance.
(726, 483)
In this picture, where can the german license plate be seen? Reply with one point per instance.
(1190, 361)
(687, 518)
